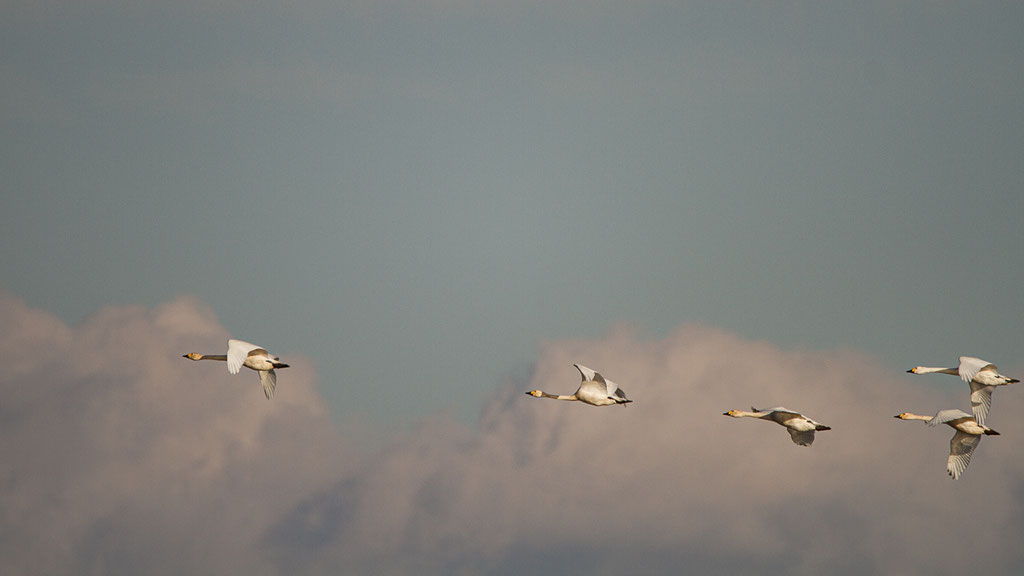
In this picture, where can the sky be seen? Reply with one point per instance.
(427, 208)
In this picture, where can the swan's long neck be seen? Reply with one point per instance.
(931, 370)
(558, 397)
(745, 414)
(909, 416)
(221, 357)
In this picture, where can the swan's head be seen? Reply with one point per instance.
(193, 356)
(902, 415)
(731, 413)
(535, 393)
(914, 370)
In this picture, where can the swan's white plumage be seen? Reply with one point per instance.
(238, 351)
(597, 389)
(801, 438)
(268, 378)
(586, 373)
(971, 366)
(981, 400)
(613, 391)
(944, 416)
(961, 447)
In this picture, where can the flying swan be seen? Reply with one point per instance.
(982, 378)
(594, 390)
(800, 427)
(962, 445)
(251, 356)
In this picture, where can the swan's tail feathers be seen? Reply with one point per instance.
(820, 427)
(281, 365)
(991, 432)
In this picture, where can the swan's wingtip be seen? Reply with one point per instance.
(587, 373)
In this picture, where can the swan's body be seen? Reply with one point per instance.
(801, 428)
(961, 446)
(594, 390)
(251, 356)
(980, 375)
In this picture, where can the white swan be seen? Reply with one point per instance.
(251, 356)
(961, 446)
(594, 390)
(982, 377)
(801, 428)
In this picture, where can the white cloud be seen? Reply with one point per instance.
(120, 454)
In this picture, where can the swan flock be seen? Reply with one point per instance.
(595, 390)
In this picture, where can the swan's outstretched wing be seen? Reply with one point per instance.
(587, 373)
(960, 449)
(238, 350)
(981, 401)
(801, 438)
(780, 415)
(970, 366)
(615, 393)
(943, 416)
(269, 380)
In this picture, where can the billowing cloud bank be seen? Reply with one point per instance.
(122, 457)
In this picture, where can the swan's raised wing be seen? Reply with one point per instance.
(587, 373)
(960, 449)
(238, 351)
(775, 409)
(615, 393)
(970, 366)
(269, 380)
(780, 414)
(981, 401)
(801, 438)
(943, 416)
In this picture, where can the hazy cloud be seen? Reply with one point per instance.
(122, 455)
(554, 487)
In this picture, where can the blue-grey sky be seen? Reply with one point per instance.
(417, 194)
(426, 206)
